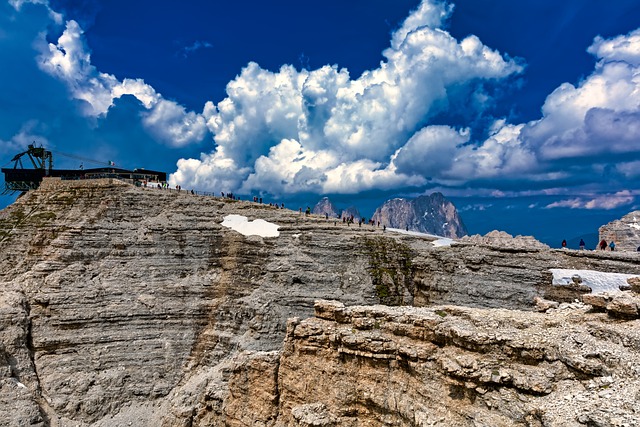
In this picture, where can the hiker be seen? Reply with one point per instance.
(308, 211)
(581, 245)
(564, 244)
(603, 245)
(612, 245)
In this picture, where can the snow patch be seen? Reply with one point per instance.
(258, 227)
(442, 242)
(635, 225)
(596, 280)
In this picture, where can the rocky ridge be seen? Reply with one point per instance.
(130, 305)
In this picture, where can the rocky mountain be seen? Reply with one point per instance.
(432, 214)
(125, 306)
(351, 211)
(324, 206)
(625, 232)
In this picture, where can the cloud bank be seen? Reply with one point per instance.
(323, 131)
(394, 127)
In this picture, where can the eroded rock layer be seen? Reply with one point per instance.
(453, 366)
(133, 305)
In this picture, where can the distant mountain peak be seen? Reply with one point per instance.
(432, 214)
(326, 207)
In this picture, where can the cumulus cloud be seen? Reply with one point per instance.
(289, 131)
(320, 130)
(70, 61)
(171, 123)
(430, 151)
(586, 132)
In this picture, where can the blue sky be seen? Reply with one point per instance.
(526, 114)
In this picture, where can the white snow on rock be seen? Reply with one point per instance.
(596, 280)
(440, 241)
(258, 227)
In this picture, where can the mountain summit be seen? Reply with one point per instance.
(432, 214)
(324, 206)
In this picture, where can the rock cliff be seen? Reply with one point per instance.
(432, 214)
(453, 366)
(126, 305)
(625, 232)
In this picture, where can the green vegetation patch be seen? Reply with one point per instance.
(391, 269)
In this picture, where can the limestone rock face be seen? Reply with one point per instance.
(324, 206)
(432, 214)
(452, 366)
(135, 306)
(625, 232)
(351, 211)
(115, 296)
(501, 239)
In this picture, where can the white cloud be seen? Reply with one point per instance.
(171, 123)
(69, 60)
(320, 130)
(294, 131)
(430, 151)
(582, 129)
(625, 48)
(27, 135)
(605, 201)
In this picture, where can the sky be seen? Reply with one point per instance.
(525, 114)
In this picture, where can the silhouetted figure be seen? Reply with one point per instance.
(603, 245)
(564, 243)
(581, 244)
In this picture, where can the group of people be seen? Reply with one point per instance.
(602, 245)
